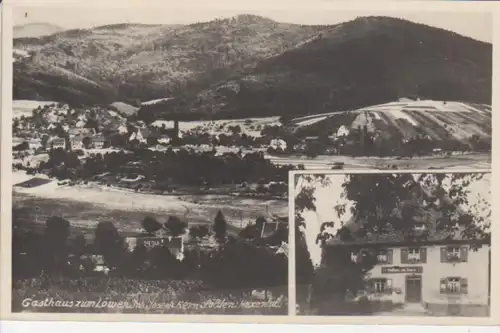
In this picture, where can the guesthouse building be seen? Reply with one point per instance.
(442, 276)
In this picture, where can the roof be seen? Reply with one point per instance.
(430, 235)
(79, 130)
(280, 218)
(173, 243)
(431, 219)
(97, 138)
(269, 228)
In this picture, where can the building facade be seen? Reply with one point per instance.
(174, 244)
(444, 278)
(58, 143)
(76, 142)
(98, 142)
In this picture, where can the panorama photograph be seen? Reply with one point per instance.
(151, 148)
(393, 244)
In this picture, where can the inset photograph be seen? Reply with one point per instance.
(72, 255)
(393, 244)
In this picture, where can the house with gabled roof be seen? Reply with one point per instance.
(79, 131)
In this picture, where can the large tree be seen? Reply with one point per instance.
(151, 225)
(220, 226)
(175, 226)
(109, 244)
(56, 239)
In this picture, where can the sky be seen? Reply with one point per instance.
(326, 197)
(477, 25)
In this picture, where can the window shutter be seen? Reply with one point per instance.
(423, 255)
(404, 256)
(464, 251)
(390, 253)
(443, 254)
(442, 286)
(463, 286)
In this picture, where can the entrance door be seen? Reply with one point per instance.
(413, 289)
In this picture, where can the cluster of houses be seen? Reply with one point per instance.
(79, 138)
(66, 129)
(177, 245)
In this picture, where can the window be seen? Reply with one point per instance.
(420, 227)
(381, 285)
(454, 254)
(453, 285)
(384, 256)
(413, 255)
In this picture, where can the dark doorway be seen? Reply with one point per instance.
(413, 289)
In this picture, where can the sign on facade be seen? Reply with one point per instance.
(402, 270)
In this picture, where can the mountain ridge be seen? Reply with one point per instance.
(354, 65)
(225, 65)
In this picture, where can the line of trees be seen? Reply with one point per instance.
(183, 167)
(360, 142)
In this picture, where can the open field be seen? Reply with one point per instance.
(439, 120)
(84, 207)
(26, 107)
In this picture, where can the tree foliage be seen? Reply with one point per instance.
(199, 231)
(175, 226)
(109, 243)
(151, 225)
(56, 234)
(220, 226)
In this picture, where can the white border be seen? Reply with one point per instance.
(371, 7)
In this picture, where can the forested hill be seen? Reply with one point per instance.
(360, 63)
(132, 62)
(249, 66)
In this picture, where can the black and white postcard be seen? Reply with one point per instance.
(147, 149)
